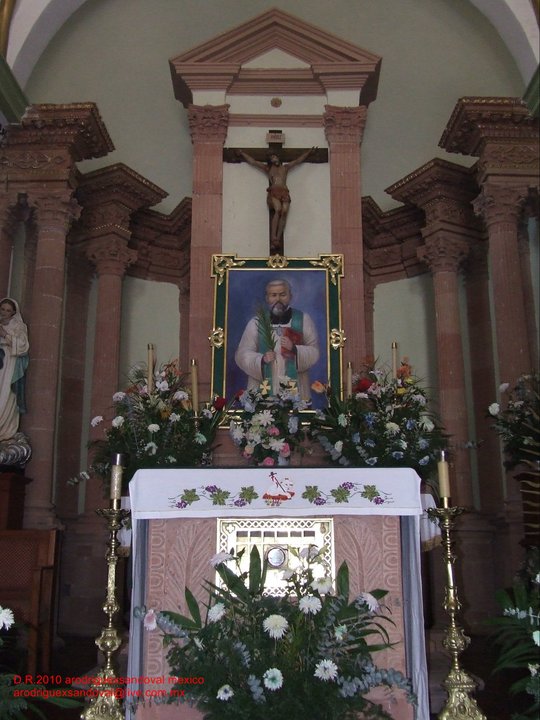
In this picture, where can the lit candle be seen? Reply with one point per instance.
(349, 379)
(394, 359)
(444, 478)
(194, 386)
(150, 368)
(116, 476)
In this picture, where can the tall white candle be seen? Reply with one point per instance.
(194, 385)
(394, 359)
(116, 476)
(150, 368)
(444, 477)
(349, 379)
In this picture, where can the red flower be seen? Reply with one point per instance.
(362, 385)
(219, 403)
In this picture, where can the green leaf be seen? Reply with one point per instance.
(193, 607)
(254, 570)
(311, 493)
(180, 620)
(342, 580)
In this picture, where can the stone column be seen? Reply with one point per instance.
(8, 224)
(369, 309)
(208, 125)
(78, 281)
(528, 290)
(54, 214)
(501, 207)
(344, 128)
(183, 309)
(490, 476)
(444, 255)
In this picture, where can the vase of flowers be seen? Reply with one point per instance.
(384, 423)
(517, 420)
(307, 655)
(156, 429)
(269, 429)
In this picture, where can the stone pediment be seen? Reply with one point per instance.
(275, 53)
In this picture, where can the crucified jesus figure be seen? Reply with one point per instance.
(278, 198)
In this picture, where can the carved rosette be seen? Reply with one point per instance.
(344, 124)
(110, 255)
(443, 253)
(208, 123)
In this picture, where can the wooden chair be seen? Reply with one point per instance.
(28, 562)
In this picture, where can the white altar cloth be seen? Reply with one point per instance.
(289, 492)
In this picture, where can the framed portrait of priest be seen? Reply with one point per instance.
(277, 318)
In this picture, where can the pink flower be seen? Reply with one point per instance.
(285, 450)
(274, 431)
(150, 620)
(268, 462)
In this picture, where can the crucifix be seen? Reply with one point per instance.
(276, 165)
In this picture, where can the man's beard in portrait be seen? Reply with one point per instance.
(280, 313)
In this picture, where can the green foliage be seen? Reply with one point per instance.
(305, 655)
(518, 633)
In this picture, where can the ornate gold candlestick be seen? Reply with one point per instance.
(106, 702)
(458, 684)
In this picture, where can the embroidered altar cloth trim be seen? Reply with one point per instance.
(273, 491)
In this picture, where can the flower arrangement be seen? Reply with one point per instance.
(157, 429)
(518, 423)
(518, 635)
(385, 423)
(270, 427)
(305, 655)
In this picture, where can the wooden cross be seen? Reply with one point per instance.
(278, 197)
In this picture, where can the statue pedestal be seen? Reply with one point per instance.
(12, 492)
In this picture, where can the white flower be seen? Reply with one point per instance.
(310, 604)
(392, 428)
(310, 552)
(427, 424)
(342, 420)
(150, 448)
(277, 444)
(263, 418)
(236, 432)
(340, 631)
(118, 421)
(326, 670)
(6, 618)
(503, 387)
(276, 626)
(150, 620)
(180, 395)
(94, 422)
(322, 585)
(369, 600)
(207, 413)
(338, 446)
(200, 439)
(216, 612)
(536, 637)
(153, 427)
(174, 417)
(162, 385)
(494, 409)
(225, 692)
(273, 679)
(533, 669)
(118, 396)
(219, 558)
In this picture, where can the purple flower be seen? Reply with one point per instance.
(319, 501)
(347, 485)
(181, 504)
(378, 500)
(240, 502)
(211, 488)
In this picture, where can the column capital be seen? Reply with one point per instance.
(208, 123)
(443, 253)
(500, 203)
(110, 255)
(344, 124)
(54, 209)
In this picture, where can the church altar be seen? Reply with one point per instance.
(376, 514)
